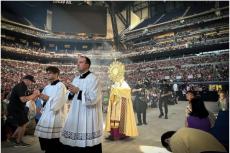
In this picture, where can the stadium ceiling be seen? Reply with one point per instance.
(64, 2)
(118, 5)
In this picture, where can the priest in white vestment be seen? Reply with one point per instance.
(83, 129)
(54, 112)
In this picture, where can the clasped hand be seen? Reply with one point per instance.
(37, 93)
(73, 89)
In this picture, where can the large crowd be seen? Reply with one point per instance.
(211, 67)
(183, 39)
(187, 69)
(40, 52)
(186, 37)
(13, 70)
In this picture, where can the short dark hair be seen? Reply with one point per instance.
(165, 136)
(87, 60)
(198, 108)
(53, 69)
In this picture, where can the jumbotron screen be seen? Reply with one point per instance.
(79, 19)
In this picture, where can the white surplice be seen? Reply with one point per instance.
(84, 123)
(54, 113)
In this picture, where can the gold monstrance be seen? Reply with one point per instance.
(116, 71)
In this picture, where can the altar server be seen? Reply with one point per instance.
(83, 128)
(54, 112)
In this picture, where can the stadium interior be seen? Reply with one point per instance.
(183, 42)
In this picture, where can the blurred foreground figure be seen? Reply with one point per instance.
(190, 140)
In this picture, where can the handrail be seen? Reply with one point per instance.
(22, 25)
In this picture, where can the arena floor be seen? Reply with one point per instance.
(148, 140)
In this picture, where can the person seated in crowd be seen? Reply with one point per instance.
(220, 130)
(198, 116)
(190, 140)
(189, 96)
(223, 102)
